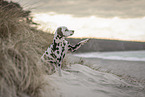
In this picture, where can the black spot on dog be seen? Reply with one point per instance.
(63, 49)
(63, 55)
(54, 46)
(49, 58)
(59, 32)
(57, 48)
(51, 62)
(60, 37)
(76, 46)
(57, 52)
(59, 59)
(53, 55)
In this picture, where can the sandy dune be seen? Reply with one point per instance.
(82, 81)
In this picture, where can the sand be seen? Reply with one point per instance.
(88, 77)
(81, 81)
(134, 69)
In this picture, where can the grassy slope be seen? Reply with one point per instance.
(21, 72)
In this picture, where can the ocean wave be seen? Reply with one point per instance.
(122, 55)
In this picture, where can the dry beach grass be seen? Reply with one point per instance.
(21, 72)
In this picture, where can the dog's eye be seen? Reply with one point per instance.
(66, 29)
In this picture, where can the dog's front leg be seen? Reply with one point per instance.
(59, 68)
(77, 46)
(84, 41)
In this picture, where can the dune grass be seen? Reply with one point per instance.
(21, 46)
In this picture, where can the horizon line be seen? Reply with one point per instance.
(108, 39)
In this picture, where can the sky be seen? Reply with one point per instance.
(111, 19)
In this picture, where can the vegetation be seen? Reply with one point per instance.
(21, 71)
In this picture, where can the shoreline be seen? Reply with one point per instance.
(132, 71)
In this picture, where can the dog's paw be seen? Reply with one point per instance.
(84, 41)
(87, 40)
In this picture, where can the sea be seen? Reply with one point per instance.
(116, 55)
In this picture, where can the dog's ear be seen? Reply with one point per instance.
(59, 32)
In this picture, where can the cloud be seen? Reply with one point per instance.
(115, 28)
(99, 8)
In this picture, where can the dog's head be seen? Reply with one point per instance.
(64, 32)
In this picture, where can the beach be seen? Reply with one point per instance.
(96, 77)
(131, 63)
(27, 30)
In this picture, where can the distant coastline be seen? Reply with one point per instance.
(102, 45)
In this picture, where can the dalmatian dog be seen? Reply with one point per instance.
(58, 49)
